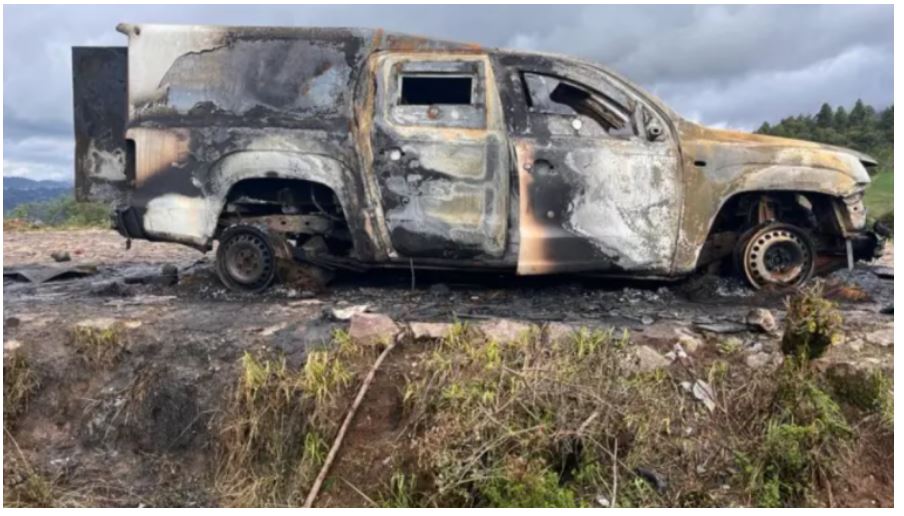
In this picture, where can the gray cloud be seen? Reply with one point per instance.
(734, 65)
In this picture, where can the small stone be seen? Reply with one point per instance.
(645, 359)
(855, 344)
(344, 314)
(762, 319)
(60, 256)
(372, 329)
(430, 330)
(270, 330)
(646, 320)
(882, 338)
(703, 392)
(602, 501)
(677, 353)
(11, 345)
(11, 322)
(758, 360)
(504, 330)
(689, 343)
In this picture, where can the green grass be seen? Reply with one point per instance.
(880, 196)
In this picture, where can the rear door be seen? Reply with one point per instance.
(439, 156)
(102, 168)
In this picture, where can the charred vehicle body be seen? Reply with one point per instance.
(353, 149)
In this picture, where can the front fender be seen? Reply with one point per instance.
(708, 192)
(832, 182)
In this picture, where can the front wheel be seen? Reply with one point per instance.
(776, 254)
(246, 260)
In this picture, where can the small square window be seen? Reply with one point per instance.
(430, 90)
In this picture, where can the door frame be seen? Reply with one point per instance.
(537, 253)
(379, 95)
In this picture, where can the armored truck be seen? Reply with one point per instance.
(357, 149)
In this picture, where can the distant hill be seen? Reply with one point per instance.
(21, 190)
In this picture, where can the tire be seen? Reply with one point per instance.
(246, 259)
(775, 254)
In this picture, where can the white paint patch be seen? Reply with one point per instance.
(155, 49)
(105, 165)
(180, 216)
(467, 161)
(629, 206)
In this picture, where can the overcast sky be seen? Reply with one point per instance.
(731, 66)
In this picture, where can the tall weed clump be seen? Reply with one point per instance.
(275, 432)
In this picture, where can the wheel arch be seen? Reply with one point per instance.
(819, 198)
(319, 169)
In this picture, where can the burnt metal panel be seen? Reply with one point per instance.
(99, 100)
(442, 169)
(590, 199)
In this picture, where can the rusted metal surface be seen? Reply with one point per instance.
(532, 162)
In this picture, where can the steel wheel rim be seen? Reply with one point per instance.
(248, 259)
(778, 256)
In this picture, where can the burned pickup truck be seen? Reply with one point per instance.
(358, 149)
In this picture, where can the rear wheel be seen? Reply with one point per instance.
(776, 254)
(246, 260)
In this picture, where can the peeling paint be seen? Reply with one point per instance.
(174, 214)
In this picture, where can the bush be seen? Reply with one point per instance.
(20, 381)
(804, 435)
(812, 324)
(527, 423)
(64, 212)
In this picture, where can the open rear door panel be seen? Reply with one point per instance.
(102, 161)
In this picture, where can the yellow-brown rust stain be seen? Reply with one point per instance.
(460, 210)
(532, 255)
(364, 111)
(420, 44)
(157, 150)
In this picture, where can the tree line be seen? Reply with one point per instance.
(863, 128)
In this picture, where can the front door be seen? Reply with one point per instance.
(439, 156)
(599, 181)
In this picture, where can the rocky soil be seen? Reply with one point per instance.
(184, 335)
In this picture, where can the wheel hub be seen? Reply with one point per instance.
(248, 259)
(777, 256)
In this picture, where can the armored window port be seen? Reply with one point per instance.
(431, 90)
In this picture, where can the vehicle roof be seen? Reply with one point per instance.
(368, 40)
